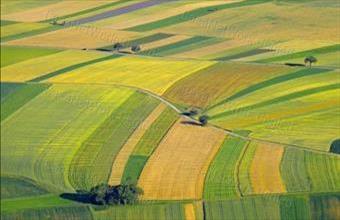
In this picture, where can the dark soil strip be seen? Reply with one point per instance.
(87, 11)
(115, 12)
(73, 67)
(245, 54)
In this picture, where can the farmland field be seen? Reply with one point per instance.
(170, 110)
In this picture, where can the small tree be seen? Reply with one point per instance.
(135, 48)
(310, 60)
(335, 147)
(203, 119)
(117, 46)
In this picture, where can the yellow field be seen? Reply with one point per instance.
(153, 14)
(124, 154)
(265, 169)
(177, 168)
(21, 28)
(53, 10)
(153, 74)
(77, 38)
(281, 22)
(189, 212)
(33, 68)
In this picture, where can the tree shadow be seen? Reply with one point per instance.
(294, 64)
(79, 196)
(191, 123)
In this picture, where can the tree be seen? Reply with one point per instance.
(203, 119)
(117, 46)
(310, 60)
(335, 147)
(135, 48)
(123, 194)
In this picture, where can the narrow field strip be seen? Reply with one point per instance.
(164, 42)
(244, 176)
(14, 54)
(189, 212)
(73, 67)
(176, 47)
(19, 98)
(30, 33)
(190, 15)
(148, 143)
(55, 64)
(271, 82)
(284, 98)
(243, 54)
(325, 206)
(318, 51)
(220, 181)
(265, 169)
(116, 12)
(177, 168)
(93, 161)
(142, 40)
(122, 157)
(6, 22)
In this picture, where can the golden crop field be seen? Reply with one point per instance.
(177, 168)
(30, 69)
(123, 155)
(265, 169)
(152, 74)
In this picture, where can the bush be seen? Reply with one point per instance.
(203, 119)
(335, 147)
(135, 48)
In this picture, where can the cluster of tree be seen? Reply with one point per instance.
(119, 46)
(335, 147)
(105, 194)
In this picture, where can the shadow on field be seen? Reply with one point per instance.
(191, 123)
(79, 196)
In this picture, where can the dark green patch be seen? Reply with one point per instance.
(134, 167)
(176, 47)
(30, 33)
(294, 208)
(284, 98)
(18, 187)
(325, 206)
(303, 54)
(20, 97)
(73, 67)
(271, 82)
(8, 88)
(187, 16)
(15, 54)
(6, 22)
(244, 54)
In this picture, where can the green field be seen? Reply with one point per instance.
(228, 110)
